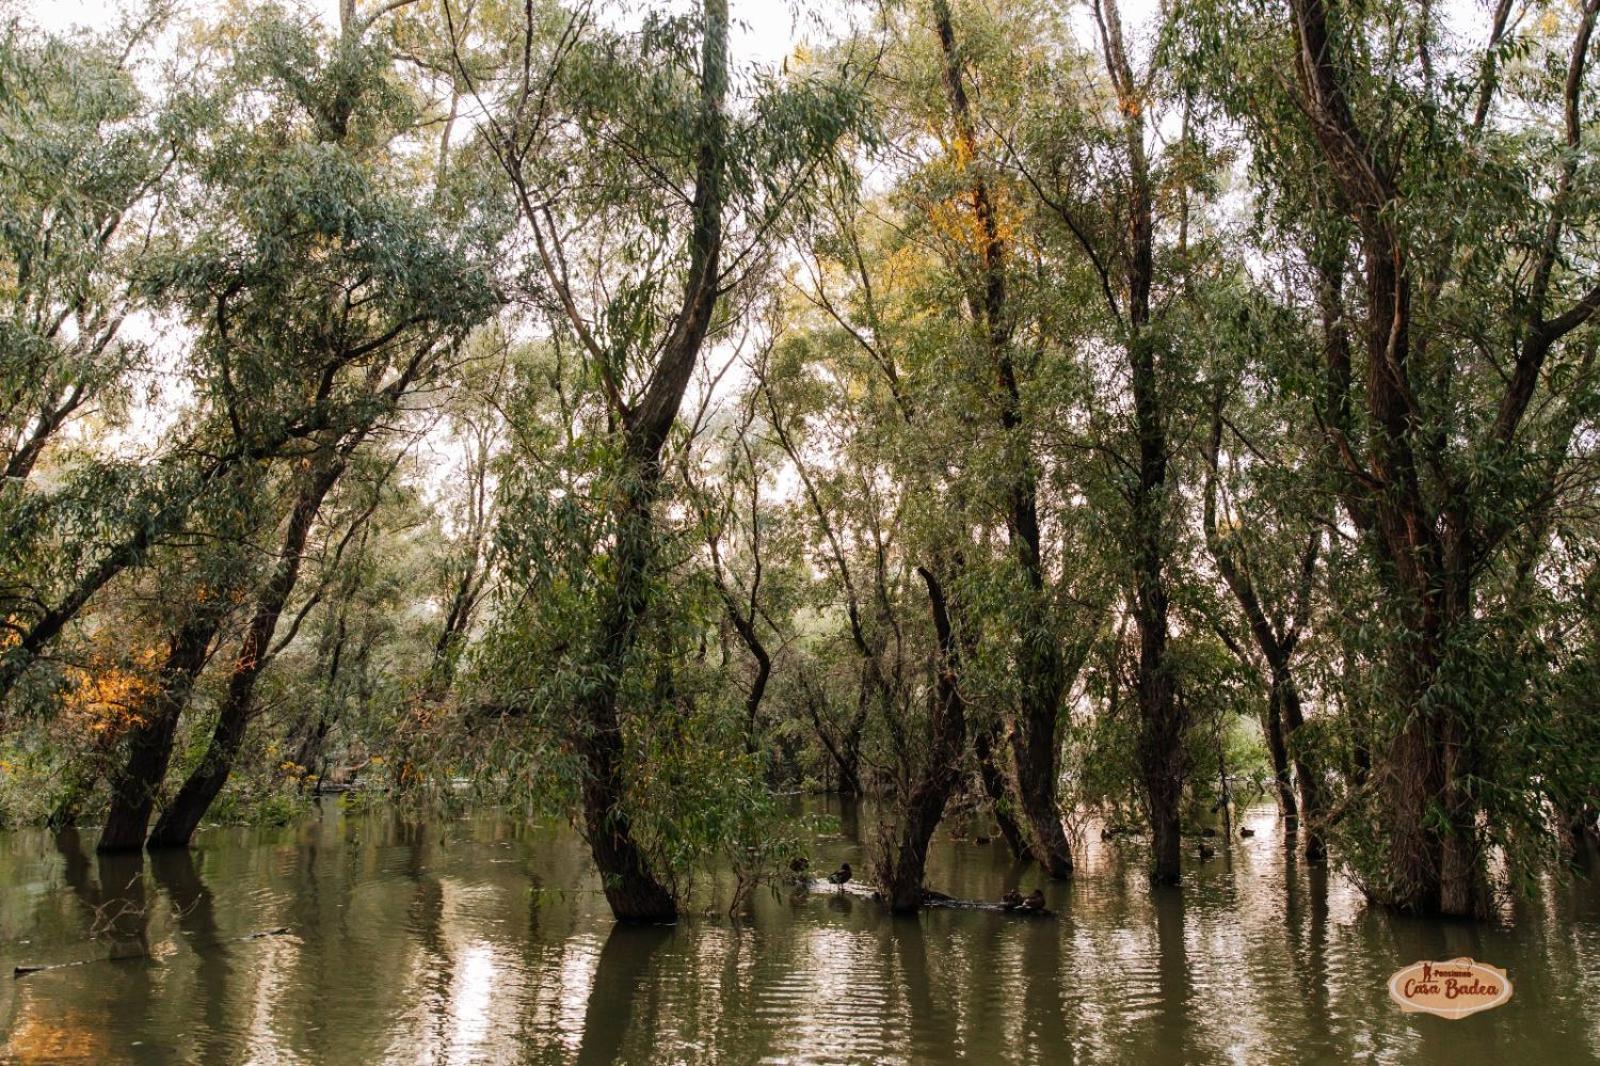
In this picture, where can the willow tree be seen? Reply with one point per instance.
(87, 158)
(320, 296)
(412, 315)
(1122, 205)
(1041, 666)
(649, 190)
(1434, 189)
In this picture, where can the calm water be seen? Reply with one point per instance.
(486, 940)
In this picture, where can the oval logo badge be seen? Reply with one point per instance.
(1451, 989)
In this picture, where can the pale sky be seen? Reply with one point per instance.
(765, 30)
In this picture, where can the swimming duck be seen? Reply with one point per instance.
(1246, 832)
(1035, 901)
(1207, 852)
(840, 876)
(1012, 899)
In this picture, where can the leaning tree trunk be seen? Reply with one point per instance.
(135, 784)
(182, 817)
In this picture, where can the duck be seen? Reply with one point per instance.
(1035, 900)
(1012, 899)
(1246, 831)
(840, 877)
(1208, 832)
(1207, 852)
(981, 839)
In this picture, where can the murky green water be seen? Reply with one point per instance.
(486, 940)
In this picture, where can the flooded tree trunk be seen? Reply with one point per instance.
(1282, 781)
(901, 875)
(182, 816)
(1429, 540)
(1161, 717)
(136, 782)
(1162, 722)
(1305, 773)
(1435, 864)
(1036, 785)
(630, 887)
(1224, 785)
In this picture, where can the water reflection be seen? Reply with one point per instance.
(618, 991)
(487, 940)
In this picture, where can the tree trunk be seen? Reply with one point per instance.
(1422, 550)
(182, 817)
(1161, 718)
(135, 784)
(1305, 773)
(1281, 779)
(901, 875)
(994, 785)
(1162, 722)
(1035, 751)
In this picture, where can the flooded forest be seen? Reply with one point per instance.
(729, 531)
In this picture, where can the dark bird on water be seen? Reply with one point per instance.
(840, 876)
(1245, 832)
(1035, 901)
(1207, 852)
(1012, 899)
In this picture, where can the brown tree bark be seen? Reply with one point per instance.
(182, 816)
(135, 784)
(901, 875)
(1161, 715)
(1422, 554)
(999, 793)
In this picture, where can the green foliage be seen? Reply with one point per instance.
(455, 252)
